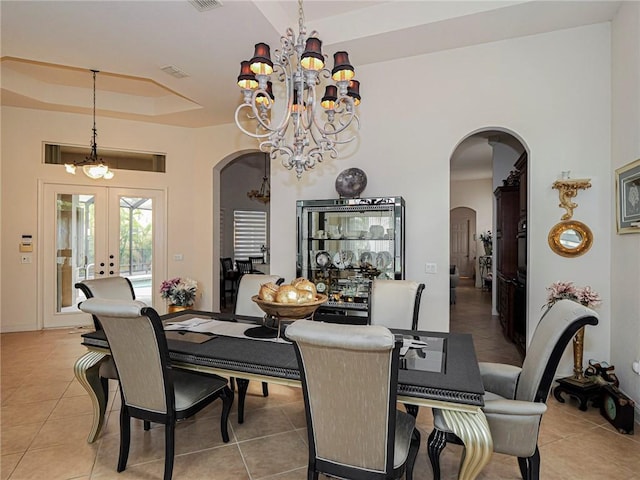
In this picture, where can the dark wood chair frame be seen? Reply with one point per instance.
(169, 419)
(318, 465)
(529, 467)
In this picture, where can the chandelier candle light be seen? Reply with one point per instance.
(92, 166)
(300, 137)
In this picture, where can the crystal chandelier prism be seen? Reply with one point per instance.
(301, 136)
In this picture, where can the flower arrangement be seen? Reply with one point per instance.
(583, 295)
(179, 291)
(486, 237)
(487, 241)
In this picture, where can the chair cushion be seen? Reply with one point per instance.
(405, 424)
(190, 388)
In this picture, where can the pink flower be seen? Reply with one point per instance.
(559, 290)
(588, 297)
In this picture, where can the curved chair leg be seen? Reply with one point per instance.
(169, 449)
(243, 384)
(413, 453)
(125, 438)
(436, 443)
(227, 401)
(265, 389)
(232, 383)
(147, 425)
(530, 467)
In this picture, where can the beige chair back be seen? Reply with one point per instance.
(395, 303)
(114, 288)
(349, 386)
(139, 350)
(250, 284)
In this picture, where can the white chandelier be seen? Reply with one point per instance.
(300, 136)
(92, 166)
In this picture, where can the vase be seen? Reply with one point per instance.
(176, 308)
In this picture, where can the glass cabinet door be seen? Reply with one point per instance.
(344, 244)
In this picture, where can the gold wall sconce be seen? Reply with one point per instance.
(567, 190)
(570, 238)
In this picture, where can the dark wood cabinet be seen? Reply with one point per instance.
(511, 254)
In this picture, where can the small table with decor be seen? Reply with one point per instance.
(445, 374)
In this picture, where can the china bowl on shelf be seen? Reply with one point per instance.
(290, 311)
(377, 231)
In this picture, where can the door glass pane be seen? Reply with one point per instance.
(75, 247)
(136, 244)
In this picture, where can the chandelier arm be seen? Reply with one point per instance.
(244, 130)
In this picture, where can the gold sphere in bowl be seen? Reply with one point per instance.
(287, 294)
(268, 292)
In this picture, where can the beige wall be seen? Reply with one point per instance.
(552, 90)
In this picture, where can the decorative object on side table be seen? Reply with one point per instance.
(578, 386)
(351, 182)
(179, 292)
(487, 242)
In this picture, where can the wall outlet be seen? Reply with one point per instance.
(25, 259)
(178, 257)
(431, 268)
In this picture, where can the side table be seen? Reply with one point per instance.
(582, 390)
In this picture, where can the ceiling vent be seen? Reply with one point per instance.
(204, 5)
(174, 71)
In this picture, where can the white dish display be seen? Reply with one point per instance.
(343, 259)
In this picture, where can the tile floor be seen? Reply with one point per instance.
(45, 417)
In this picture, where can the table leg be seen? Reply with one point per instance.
(86, 370)
(473, 430)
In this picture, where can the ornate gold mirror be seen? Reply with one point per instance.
(570, 238)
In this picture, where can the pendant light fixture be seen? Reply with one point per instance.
(264, 194)
(300, 137)
(92, 166)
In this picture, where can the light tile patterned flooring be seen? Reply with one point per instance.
(46, 414)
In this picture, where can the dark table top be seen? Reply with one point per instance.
(457, 380)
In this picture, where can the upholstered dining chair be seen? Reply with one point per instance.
(149, 388)
(113, 288)
(249, 286)
(228, 280)
(244, 267)
(515, 398)
(349, 377)
(395, 303)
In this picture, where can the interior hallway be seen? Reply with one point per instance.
(46, 414)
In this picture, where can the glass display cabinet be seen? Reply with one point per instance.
(343, 244)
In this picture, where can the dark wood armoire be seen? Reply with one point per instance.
(511, 254)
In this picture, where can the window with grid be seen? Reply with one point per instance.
(249, 233)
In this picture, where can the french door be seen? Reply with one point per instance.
(94, 232)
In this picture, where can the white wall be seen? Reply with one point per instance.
(625, 261)
(552, 90)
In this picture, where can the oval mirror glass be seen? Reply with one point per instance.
(570, 238)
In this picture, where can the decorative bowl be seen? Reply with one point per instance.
(290, 311)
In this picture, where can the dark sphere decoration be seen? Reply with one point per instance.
(351, 182)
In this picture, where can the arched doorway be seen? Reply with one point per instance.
(489, 176)
(234, 177)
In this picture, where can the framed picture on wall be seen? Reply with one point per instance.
(628, 198)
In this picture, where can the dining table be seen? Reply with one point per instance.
(437, 370)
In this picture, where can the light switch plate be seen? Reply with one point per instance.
(431, 268)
